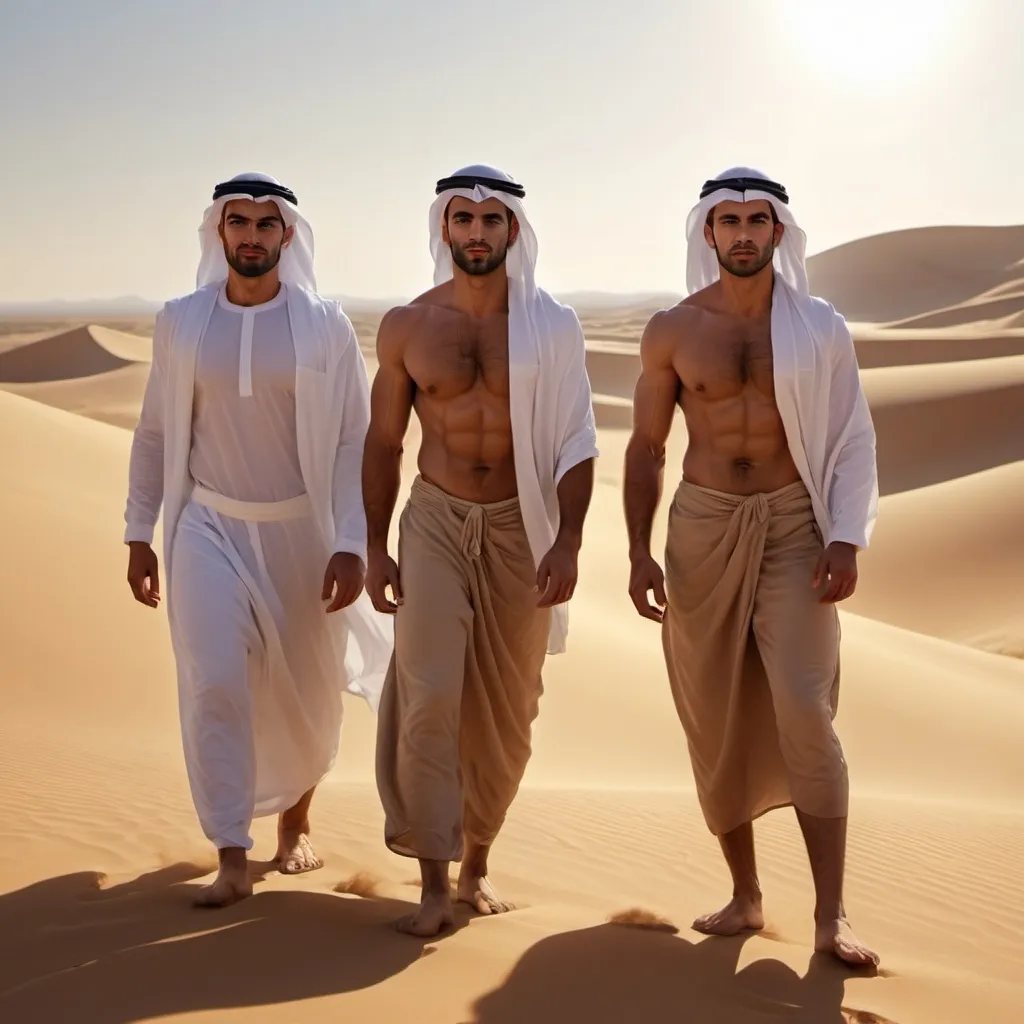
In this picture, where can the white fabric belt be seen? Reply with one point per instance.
(254, 511)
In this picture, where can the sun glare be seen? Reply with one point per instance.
(871, 41)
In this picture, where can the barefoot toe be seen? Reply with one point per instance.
(298, 856)
(837, 938)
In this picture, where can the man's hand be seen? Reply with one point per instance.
(381, 573)
(144, 573)
(343, 580)
(557, 575)
(645, 576)
(838, 567)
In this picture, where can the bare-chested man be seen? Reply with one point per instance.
(488, 541)
(778, 494)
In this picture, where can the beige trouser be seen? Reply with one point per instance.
(464, 684)
(753, 654)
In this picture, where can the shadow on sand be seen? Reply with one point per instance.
(620, 975)
(72, 950)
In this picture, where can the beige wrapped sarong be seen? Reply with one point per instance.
(753, 654)
(464, 685)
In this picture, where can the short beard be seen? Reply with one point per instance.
(750, 270)
(477, 267)
(248, 268)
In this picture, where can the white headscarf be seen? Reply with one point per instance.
(296, 266)
(702, 267)
(521, 261)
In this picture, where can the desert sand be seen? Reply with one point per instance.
(605, 852)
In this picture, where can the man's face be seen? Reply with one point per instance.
(743, 235)
(253, 235)
(479, 234)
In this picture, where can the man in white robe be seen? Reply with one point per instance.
(778, 494)
(251, 437)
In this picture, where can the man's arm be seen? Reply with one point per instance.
(146, 475)
(146, 462)
(575, 490)
(391, 399)
(654, 402)
(853, 498)
(853, 495)
(352, 393)
(577, 448)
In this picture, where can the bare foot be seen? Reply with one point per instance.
(837, 937)
(742, 914)
(434, 915)
(231, 884)
(481, 896)
(295, 853)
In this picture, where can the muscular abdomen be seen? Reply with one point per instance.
(737, 444)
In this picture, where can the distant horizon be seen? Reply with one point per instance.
(131, 304)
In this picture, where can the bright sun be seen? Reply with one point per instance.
(868, 41)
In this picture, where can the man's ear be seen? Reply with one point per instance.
(289, 234)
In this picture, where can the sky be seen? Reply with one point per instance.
(118, 117)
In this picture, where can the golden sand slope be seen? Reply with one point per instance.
(948, 560)
(102, 852)
(80, 352)
(885, 346)
(945, 420)
(899, 275)
(94, 371)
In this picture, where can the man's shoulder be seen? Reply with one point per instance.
(562, 321)
(673, 323)
(828, 322)
(331, 308)
(179, 303)
(414, 315)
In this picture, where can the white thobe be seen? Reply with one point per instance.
(260, 664)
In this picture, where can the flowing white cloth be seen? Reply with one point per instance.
(258, 691)
(817, 381)
(261, 666)
(553, 427)
(296, 266)
(244, 439)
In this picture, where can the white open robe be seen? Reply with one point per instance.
(551, 409)
(331, 401)
(825, 414)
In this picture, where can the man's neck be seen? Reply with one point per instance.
(252, 291)
(480, 295)
(748, 296)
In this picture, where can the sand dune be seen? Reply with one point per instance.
(885, 346)
(1003, 305)
(604, 852)
(111, 397)
(81, 352)
(902, 274)
(948, 560)
(104, 850)
(943, 420)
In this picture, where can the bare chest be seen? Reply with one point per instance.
(460, 354)
(727, 361)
